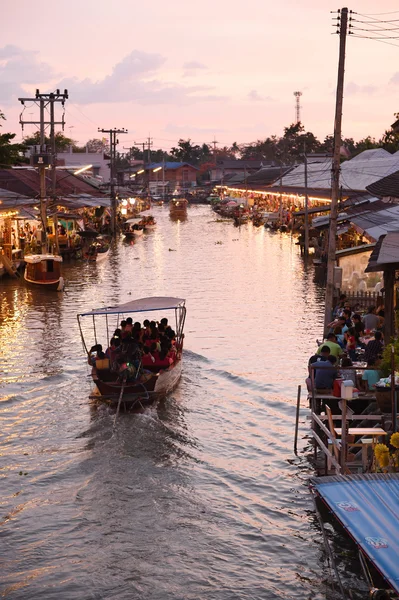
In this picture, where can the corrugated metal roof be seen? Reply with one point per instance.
(356, 174)
(368, 508)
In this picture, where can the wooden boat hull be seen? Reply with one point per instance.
(44, 270)
(102, 255)
(57, 284)
(157, 386)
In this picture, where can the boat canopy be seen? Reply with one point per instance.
(140, 305)
(368, 508)
(38, 258)
(134, 220)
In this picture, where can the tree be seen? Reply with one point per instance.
(187, 152)
(97, 145)
(390, 139)
(62, 143)
(10, 154)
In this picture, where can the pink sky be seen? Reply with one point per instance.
(179, 69)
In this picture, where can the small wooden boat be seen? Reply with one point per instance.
(178, 206)
(150, 383)
(97, 250)
(44, 270)
(134, 228)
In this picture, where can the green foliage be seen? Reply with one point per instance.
(62, 143)
(10, 154)
(191, 153)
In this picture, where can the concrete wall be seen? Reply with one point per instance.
(80, 159)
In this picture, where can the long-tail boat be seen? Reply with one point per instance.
(149, 383)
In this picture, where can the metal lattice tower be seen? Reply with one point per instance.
(297, 106)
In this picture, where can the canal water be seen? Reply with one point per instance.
(199, 497)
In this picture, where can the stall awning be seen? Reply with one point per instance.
(368, 508)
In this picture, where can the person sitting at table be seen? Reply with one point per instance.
(316, 358)
(375, 347)
(351, 343)
(358, 324)
(339, 335)
(346, 373)
(371, 375)
(331, 342)
(325, 373)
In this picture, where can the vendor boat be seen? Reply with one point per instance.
(134, 228)
(150, 383)
(44, 270)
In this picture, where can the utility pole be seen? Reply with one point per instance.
(306, 252)
(149, 144)
(335, 171)
(42, 159)
(113, 141)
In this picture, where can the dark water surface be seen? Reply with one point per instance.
(199, 497)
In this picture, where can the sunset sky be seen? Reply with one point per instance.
(196, 69)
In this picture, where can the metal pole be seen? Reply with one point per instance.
(42, 176)
(298, 401)
(306, 203)
(393, 393)
(343, 434)
(335, 171)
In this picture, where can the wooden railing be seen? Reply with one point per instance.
(363, 300)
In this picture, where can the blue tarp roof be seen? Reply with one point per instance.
(368, 508)
(169, 165)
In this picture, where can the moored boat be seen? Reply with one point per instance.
(147, 383)
(44, 270)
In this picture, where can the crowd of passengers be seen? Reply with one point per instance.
(351, 338)
(136, 348)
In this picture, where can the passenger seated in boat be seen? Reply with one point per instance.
(164, 322)
(147, 360)
(136, 332)
(117, 333)
(146, 327)
(154, 349)
(129, 325)
(163, 360)
(102, 363)
(114, 350)
(123, 328)
(154, 339)
(93, 354)
(126, 370)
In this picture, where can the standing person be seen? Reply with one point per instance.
(371, 320)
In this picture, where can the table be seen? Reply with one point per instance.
(374, 432)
